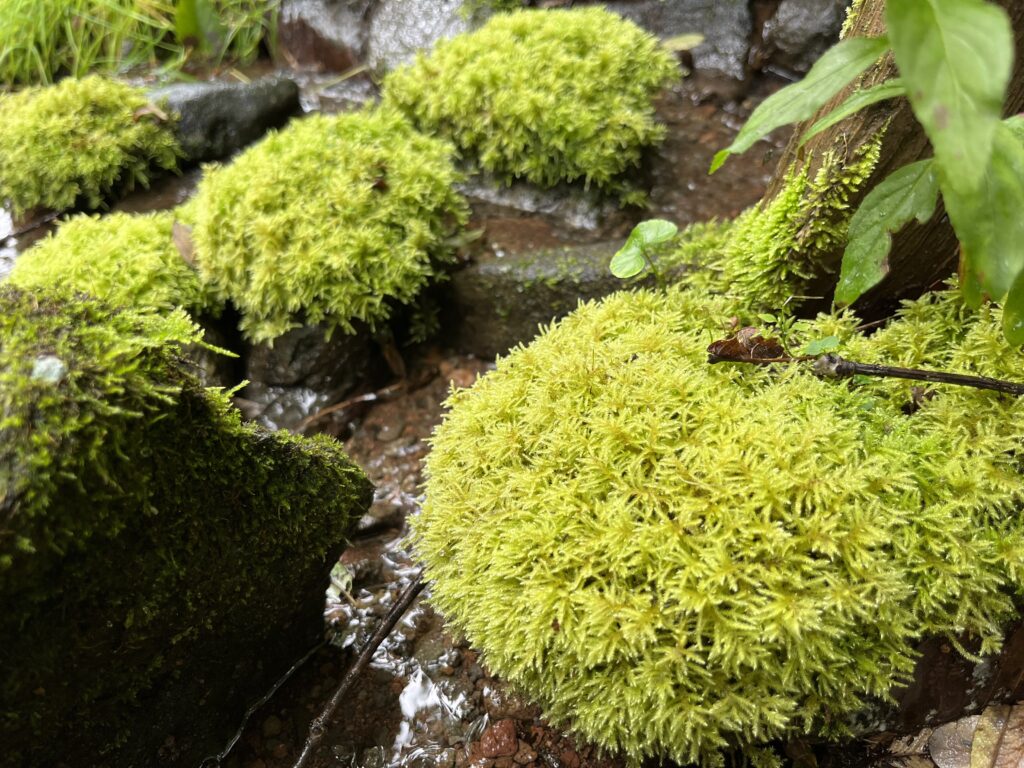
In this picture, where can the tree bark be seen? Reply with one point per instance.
(923, 255)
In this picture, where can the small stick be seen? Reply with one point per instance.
(318, 729)
(835, 367)
(369, 397)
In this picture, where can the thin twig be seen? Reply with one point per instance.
(835, 367)
(318, 729)
(369, 397)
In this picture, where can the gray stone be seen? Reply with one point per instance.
(801, 30)
(570, 204)
(950, 744)
(497, 303)
(400, 28)
(302, 372)
(725, 25)
(323, 34)
(218, 118)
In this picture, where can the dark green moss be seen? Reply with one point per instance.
(159, 560)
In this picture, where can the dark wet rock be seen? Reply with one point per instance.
(725, 24)
(497, 303)
(570, 204)
(303, 371)
(219, 118)
(801, 30)
(400, 28)
(323, 34)
(499, 740)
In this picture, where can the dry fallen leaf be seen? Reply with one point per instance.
(746, 346)
(181, 234)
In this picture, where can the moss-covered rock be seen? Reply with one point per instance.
(126, 259)
(78, 143)
(160, 562)
(677, 558)
(548, 96)
(331, 220)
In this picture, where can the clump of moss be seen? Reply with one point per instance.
(775, 248)
(114, 461)
(79, 142)
(678, 558)
(548, 96)
(130, 260)
(328, 221)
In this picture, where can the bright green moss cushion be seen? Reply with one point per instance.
(161, 563)
(676, 558)
(332, 220)
(548, 96)
(125, 259)
(78, 143)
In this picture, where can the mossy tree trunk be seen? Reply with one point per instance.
(923, 255)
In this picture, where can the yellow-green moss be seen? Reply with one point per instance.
(79, 143)
(331, 220)
(548, 96)
(677, 558)
(773, 250)
(146, 531)
(127, 259)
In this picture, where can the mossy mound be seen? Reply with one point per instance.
(160, 562)
(548, 96)
(332, 220)
(78, 143)
(129, 260)
(677, 558)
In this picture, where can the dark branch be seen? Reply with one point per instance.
(318, 729)
(835, 367)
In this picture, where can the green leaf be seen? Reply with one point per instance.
(764, 317)
(857, 100)
(1013, 312)
(821, 346)
(683, 42)
(186, 22)
(909, 193)
(628, 261)
(955, 58)
(837, 67)
(653, 232)
(988, 220)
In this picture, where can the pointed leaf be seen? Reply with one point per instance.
(988, 221)
(837, 67)
(1013, 312)
(909, 193)
(890, 89)
(628, 262)
(955, 58)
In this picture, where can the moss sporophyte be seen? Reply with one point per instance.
(678, 559)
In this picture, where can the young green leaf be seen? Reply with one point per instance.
(628, 261)
(766, 317)
(186, 22)
(654, 232)
(837, 67)
(988, 220)
(955, 58)
(890, 89)
(909, 193)
(821, 346)
(1013, 312)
